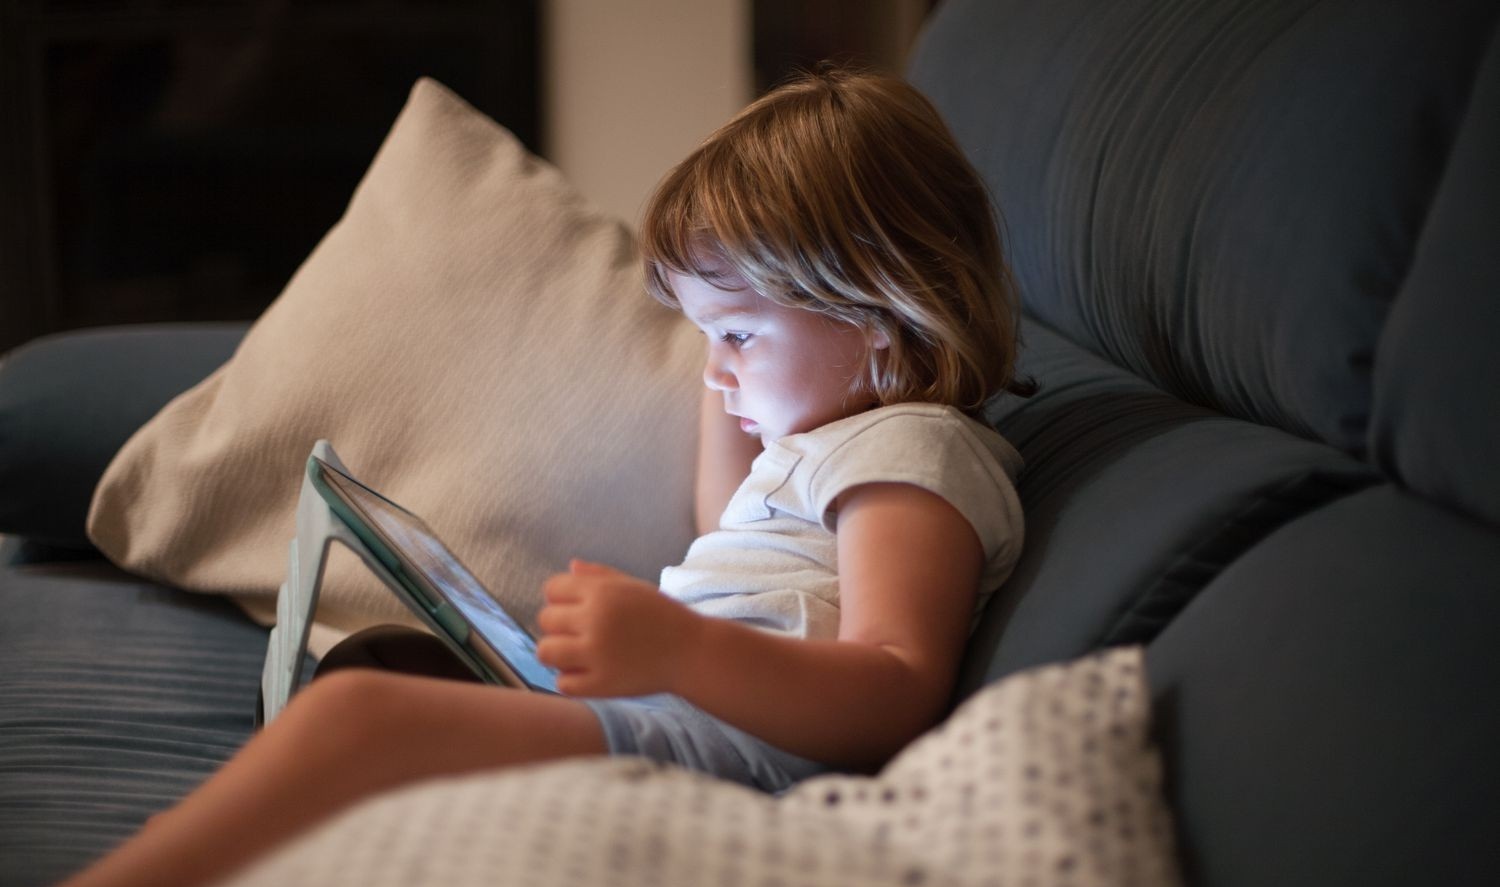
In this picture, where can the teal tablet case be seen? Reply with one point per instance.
(297, 600)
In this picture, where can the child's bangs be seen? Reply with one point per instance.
(706, 219)
(674, 235)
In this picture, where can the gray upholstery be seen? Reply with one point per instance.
(1257, 246)
(1133, 500)
(68, 403)
(116, 697)
(1328, 703)
(1223, 197)
(1436, 424)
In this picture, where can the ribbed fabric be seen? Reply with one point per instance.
(1134, 501)
(116, 698)
(1222, 197)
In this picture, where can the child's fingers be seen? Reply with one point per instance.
(563, 654)
(577, 684)
(554, 619)
(579, 567)
(561, 589)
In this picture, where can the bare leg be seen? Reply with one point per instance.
(345, 737)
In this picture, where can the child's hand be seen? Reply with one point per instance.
(610, 634)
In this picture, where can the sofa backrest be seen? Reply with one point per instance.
(1256, 243)
(1224, 197)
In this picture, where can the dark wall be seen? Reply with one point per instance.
(177, 159)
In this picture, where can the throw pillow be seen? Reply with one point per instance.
(475, 340)
(1047, 777)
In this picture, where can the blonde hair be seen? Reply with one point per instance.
(845, 194)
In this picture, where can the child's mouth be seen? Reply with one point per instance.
(748, 425)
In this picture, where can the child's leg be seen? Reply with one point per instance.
(345, 737)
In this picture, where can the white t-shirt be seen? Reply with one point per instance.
(773, 562)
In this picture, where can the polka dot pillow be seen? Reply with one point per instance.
(1045, 778)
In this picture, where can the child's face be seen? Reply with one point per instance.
(782, 370)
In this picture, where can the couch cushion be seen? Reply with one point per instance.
(476, 342)
(1327, 705)
(1437, 373)
(1134, 500)
(116, 698)
(69, 401)
(1223, 197)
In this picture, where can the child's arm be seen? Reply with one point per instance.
(909, 567)
(724, 456)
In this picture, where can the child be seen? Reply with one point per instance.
(841, 258)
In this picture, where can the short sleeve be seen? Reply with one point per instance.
(943, 454)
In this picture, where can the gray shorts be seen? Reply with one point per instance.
(661, 727)
(667, 728)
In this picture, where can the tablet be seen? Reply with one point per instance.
(434, 583)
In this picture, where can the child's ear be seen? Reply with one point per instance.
(879, 340)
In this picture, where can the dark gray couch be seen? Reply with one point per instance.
(1259, 242)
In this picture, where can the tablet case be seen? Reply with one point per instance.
(318, 527)
(297, 600)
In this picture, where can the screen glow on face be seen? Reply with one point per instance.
(781, 370)
(427, 556)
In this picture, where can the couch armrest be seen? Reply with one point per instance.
(69, 401)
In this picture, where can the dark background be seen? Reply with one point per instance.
(177, 159)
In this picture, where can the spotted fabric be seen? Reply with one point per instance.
(1045, 778)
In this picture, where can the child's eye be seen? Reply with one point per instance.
(735, 339)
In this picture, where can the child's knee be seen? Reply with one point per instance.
(345, 705)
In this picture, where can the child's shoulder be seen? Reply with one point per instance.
(937, 448)
(906, 432)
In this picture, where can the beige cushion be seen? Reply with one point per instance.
(476, 342)
(1046, 778)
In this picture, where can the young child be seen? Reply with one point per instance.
(842, 260)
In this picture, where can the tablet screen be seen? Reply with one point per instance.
(423, 553)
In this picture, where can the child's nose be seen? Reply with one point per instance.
(717, 378)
